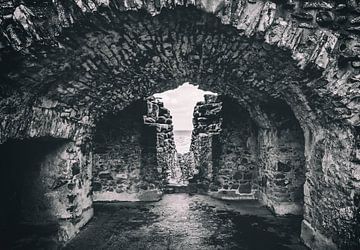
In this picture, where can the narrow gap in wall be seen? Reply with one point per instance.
(181, 102)
(144, 148)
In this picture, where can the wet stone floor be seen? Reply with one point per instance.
(181, 221)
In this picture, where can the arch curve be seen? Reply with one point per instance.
(65, 69)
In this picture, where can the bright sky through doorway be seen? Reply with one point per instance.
(181, 102)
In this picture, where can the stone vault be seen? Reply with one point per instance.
(67, 64)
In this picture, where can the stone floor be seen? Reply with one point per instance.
(180, 221)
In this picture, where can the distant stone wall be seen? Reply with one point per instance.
(224, 145)
(282, 160)
(236, 159)
(159, 120)
(118, 155)
(134, 153)
(186, 164)
(207, 124)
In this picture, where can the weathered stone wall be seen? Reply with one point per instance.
(330, 193)
(207, 124)
(89, 58)
(53, 120)
(186, 164)
(134, 153)
(236, 158)
(45, 184)
(242, 155)
(281, 154)
(158, 118)
(224, 145)
(118, 155)
(282, 160)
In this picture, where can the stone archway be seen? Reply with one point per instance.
(85, 59)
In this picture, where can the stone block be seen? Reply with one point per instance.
(283, 167)
(105, 175)
(314, 239)
(96, 186)
(245, 188)
(238, 175)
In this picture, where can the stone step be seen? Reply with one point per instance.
(232, 195)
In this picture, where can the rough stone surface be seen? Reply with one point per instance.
(236, 156)
(282, 160)
(118, 155)
(207, 125)
(186, 163)
(159, 118)
(66, 64)
(248, 160)
(134, 153)
(46, 188)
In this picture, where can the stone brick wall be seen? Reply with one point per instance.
(134, 153)
(158, 118)
(224, 145)
(330, 196)
(277, 159)
(72, 201)
(186, 165)
(240, 157)
(45, 184)
(236, 158)
(65, 64)
(207, 124)
(282, 160)
(118, 155)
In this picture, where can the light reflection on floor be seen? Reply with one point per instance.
(180, 221)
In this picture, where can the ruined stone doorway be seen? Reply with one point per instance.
(135, 154)
(126, 162)
(235, 161)
(256, 155)
(181, 103)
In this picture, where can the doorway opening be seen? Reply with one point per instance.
(181, 103)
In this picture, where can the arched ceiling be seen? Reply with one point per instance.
(101, 55)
